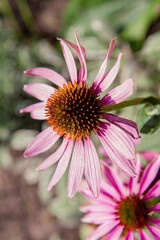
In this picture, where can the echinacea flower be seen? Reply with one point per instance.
(74, 111)
(125, 209)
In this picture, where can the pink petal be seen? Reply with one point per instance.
(62, 165)
(133, 181)
(155, 221)
(42, 142)
(129, 235)
(154, 231)
(155, 208)
(76, 169)
(104, 64)
(41, 91)
(126, 125)
(47, 74)
(103, 229)
(114, 179)
(149, 175)
(143, 235)
(97, 218)
(118, 94)
(149, 155)
(70, 62)
(92, 167)
(99, 207)
(110, 76)
(110, 191)
(37, 111)
(115, 233)
(54, 157)
(153, 192)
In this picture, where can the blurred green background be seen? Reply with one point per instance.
(28, 31)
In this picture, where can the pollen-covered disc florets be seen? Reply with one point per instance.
(133, 213)
(73, 111)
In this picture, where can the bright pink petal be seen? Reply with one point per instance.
(41, 91)
(143, 235)
(110, 191)
(126, 125)
(103, 229)
(129, 235)
(149, 175)
(47, 74)
(76, 169)
(92, 167)
(37, 111)
(118, 94)
(155, 221)
(133, 181)
(149, 155)
(62, 165)
(110, 76)
(155, 232)
(42, 142)
(153, 192)
(114, 179)
(104, 64)
(155, 208)
(70, 62)
(115, 233)
(54, 157)
(99, 207)
(97, 218)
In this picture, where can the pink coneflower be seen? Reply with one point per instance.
(124, 208)
(74, 111)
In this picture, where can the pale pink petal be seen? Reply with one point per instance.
(54, 157)
(153, 192)
(149, 175)
(106, 208)
(155, 221)
(129, 235)
(92, 167)
(37, 111)
(114, 179)
(126, 125)
(118, 94)
(104, 64)
(62, 165)
(115, 233)
(143, 235)
(110, 76)
(42, 142)
(133, 181)
(149, 155)
(70, 62)
(41, 91)
(46, 73)
(155, 232)
(103, 229)
(97, 218)
(76, 169)
(110, 191)
(155, 208)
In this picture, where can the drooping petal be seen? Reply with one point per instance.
(40, 91)
(54, 157)
(115, 233)
(103, 229)
(42, 142)
(126, 125)
(155, 232)
(76, 169)
(92, 167)
(114, 179)
(106, 208)
(153, 192)
(143, 235)
(133, 181)
(46, 73)
(149, 175)
(110, 191)
(155, 221)
(129, 235)
(97, 218)
(37, 110)
(104, 64)
(62, 165)
(110, 76)
(118, 94)
(155, 208)
(70, 62)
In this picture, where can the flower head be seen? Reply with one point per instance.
(124, 208)
(74, 111)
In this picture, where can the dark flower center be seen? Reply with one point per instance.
(73, 111)
(133, 213)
